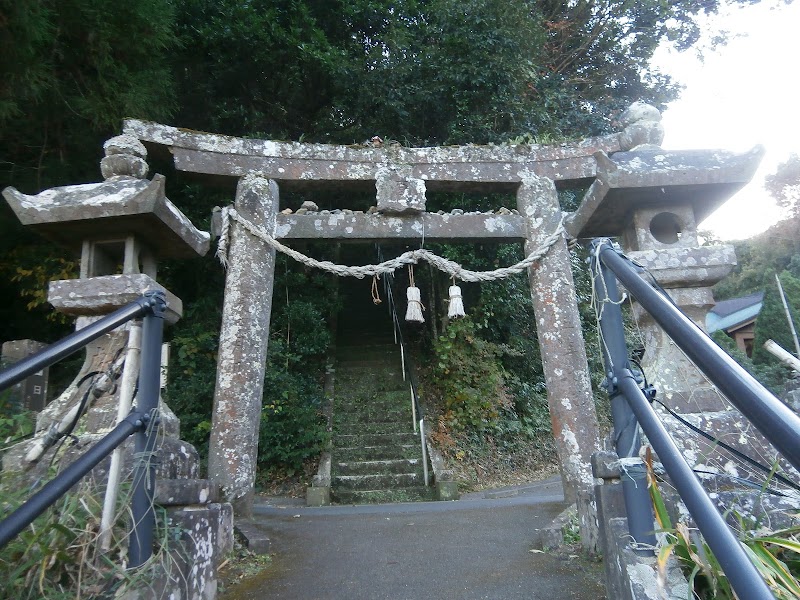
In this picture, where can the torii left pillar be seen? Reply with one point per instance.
(233, 448)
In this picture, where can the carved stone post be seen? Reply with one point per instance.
(558, 326)
(243, 346)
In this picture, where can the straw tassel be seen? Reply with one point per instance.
(456, 304)
(376, 297)
(224, 238)
(415, 308)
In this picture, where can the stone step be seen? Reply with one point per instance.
(354, 339)
(373, 439)
(355, 398)
(374, 366)
(362, 427)
(401, 396)
(349, 335)
(367, 453)
(381, 344)
(351, 399)
(389, 353)
(367, 366)
(387, 481)
(373, 402)
(375, 415)
(346, 388)
(412, 494)
(379, 467)
(364, 372)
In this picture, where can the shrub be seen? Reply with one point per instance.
(470, 377)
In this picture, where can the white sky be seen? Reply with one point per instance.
(744, 93)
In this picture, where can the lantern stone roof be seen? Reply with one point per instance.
(653, 177)
(119, 206)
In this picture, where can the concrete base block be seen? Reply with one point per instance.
(189, 569)
(587, 522)
(254, 539)
(447, 490)
(318, 496)
(180, 492)
(637, 577)
(553, 536)
(224, 529)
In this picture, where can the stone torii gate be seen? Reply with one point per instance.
(625, 184)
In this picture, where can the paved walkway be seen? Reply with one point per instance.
(476, 548)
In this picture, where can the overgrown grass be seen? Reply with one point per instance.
(492, 426)
(58, 557)
(776, 554)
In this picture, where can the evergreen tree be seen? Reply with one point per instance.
(771, 322)
(70, 70)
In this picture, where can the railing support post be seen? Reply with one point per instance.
(142, 512)
(627, 439)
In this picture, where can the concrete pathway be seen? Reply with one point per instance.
(476, 548)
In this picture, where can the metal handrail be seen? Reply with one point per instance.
(142, 422)
(73, 342)
(418, 416)
(752, 399)
(776, 421)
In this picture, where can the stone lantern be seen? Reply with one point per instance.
(652, 200)
(121, 227)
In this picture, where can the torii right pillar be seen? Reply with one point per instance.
(558, 326)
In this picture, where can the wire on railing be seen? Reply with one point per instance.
(418, 416)
(754, 401)
(776, 421)
(75, 341)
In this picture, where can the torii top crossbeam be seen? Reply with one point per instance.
(624, 179)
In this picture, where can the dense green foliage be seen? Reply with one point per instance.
(772, 323)
(59, 558)
(70, 70)
(437, 72)
(432, 72)
(776, 251)
(47, 560)
(761, 258)
(292, 427)
(775, 554)
(469, 375)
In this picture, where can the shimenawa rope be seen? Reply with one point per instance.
(407, 258)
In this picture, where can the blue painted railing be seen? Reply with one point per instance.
(141, 422)
(630, 405)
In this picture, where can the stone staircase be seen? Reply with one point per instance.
(376, 456)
